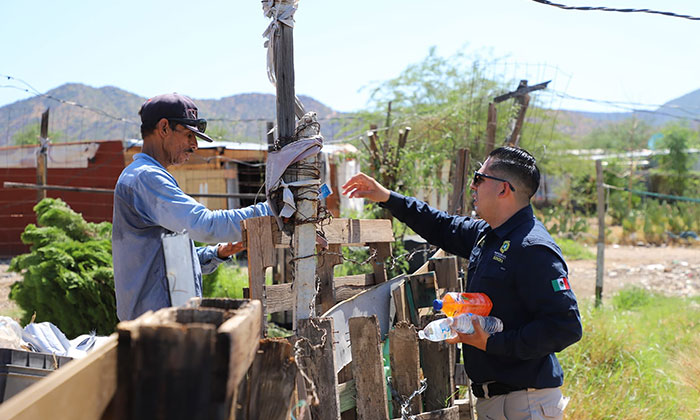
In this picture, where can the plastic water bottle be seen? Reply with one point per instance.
(454, 303)
(446, 328)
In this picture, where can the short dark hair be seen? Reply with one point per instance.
(516, 164)
(146, 130)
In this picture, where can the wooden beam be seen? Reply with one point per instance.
(405, 365)
(459, 186)
(437, 361)
(600, 256)
(446, 275)
(258, 235)
(324, 270)
(80, 390)
(354, 232)
(382, 251)
(368, 369)
(318, 363)
(272, 378)
(347, 395)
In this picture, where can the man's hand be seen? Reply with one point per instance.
(224, 251)
(364, 186)
(477, 339)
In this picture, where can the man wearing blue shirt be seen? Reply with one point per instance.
(514, 260)
(148, 203)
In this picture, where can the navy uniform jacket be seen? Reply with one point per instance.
(522, 270)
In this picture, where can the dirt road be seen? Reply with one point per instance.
(670, 270)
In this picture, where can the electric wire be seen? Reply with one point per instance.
(611, 9)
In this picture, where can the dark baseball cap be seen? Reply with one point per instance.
(176, 108)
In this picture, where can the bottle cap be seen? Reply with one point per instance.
(421, 335)
(437, 304)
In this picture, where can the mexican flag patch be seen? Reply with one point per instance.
(561, 284)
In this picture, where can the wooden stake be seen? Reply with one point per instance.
(42, 158)
(438, 361)
(319, 365)
(491, 123)
(460, 183)
(405, 365)
(600, 258)
(368, 369)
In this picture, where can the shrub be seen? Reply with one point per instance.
(67, 275)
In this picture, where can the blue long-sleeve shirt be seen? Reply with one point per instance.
(147, 204)
(520, 267)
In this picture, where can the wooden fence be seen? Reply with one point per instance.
(211, 360)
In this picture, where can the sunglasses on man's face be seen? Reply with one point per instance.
(200, 124)
(478, 177)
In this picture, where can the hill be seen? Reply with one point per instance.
(81, 112)
(686, 107)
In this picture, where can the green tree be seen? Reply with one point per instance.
(30, 135)
(678, 162)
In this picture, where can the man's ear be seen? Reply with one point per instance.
(162, 126)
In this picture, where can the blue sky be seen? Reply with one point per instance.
(213, 49)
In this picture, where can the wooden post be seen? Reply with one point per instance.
(438, 361)
(405, 365)
(445, 270)
(491, 123)
(382, 252)
(460, 183)
(326, 289)
(272, 377)
(368, 369)
(318, 363)
(304, 236)
(523, 102)
(600, 258)
(261, 253)
(270, 136)
(42, 158)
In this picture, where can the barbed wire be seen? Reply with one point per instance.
(611, 9)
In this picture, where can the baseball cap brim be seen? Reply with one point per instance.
(198, 133)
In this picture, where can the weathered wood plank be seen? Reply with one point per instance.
(319, 365)
(437, 361)
(403, 313)
(236, 346)
(271, 383)
(347, 394)
(405, 365)
(80, 390)
(368, 370)
(258, 234)
(382, 252)
(445, 270)
(358, 232)
(324, 270)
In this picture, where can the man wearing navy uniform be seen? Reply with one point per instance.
(514, 260)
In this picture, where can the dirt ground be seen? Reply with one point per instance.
(673, 271)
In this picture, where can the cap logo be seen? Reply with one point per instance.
(191, 113)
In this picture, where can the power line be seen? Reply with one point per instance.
(609, 9)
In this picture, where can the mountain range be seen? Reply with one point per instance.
(79, 112)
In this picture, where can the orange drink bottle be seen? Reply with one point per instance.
(455, 303)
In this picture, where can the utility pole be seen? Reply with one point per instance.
(522, 99)
(305, 197)
(42, 156)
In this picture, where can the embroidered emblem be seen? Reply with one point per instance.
(505, 246)
(561, 284)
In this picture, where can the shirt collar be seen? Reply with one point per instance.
(520, 217)
(148, 158)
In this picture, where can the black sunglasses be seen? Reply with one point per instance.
(200, 124)
(478, 176)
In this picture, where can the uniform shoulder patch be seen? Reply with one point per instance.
(561, 284)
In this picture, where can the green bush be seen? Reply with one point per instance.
(67, 275)
(227, 281)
